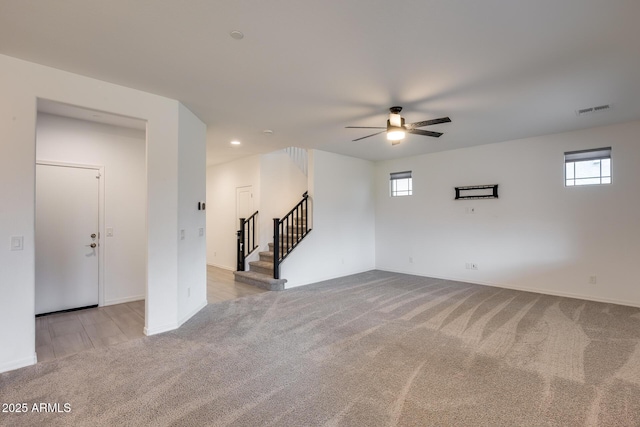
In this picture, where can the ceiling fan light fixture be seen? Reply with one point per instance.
(395, 126)
(395, 133)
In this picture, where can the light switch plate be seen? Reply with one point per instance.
(109, 232)
(17, 243)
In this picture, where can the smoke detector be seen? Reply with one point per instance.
(236, 35)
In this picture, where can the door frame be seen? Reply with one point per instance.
(101, 239)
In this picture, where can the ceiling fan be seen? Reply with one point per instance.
(396, 129)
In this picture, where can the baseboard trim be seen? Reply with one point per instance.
(17, 364)
(523, 288)
(160, 329)
(289, 284)
(172, 326)
(192, 313)
(224, 267)
(123, 300)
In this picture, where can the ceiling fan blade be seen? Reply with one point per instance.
(364, 127)
(428, 123)
(425, 133)
(373, 134)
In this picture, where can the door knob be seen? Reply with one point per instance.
(93, 235)
(93, 245)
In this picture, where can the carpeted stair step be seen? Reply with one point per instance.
(282, 245)
(260, 280)
(263, 267)
(266, 256)
(292, 236)
(293, 228)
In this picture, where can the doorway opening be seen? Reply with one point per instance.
(91, 229)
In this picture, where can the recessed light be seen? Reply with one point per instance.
(235, 142)
(237, 35)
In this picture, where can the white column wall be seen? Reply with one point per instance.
(537, 236)
(192, 256)
(21, 84)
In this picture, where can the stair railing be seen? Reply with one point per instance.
(289, 231)
(246, 237)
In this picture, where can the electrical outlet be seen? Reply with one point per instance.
(181, 234)
(467, 265)
(593, 280)
(470, 210)
(474, 266)
(201, 232)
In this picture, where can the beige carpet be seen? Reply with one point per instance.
(374, 349)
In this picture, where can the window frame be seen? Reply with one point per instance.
(575, 157)
(395, 178)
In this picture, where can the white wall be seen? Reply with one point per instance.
(21, 84)
(222, 223)
(121, 152)
(192, 257)
(342, 241)
(538, 235)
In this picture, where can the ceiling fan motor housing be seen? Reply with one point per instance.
(396, 127)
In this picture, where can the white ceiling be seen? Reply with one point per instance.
(500, 69)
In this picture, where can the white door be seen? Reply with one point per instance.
(67, 203)
(244, 202)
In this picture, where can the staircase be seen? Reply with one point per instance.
(289, 230)
(260, 273)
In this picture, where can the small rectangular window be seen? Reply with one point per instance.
(401, 184)
(587, 167)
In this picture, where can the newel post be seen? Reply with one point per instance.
(240, 247)
(276, 248)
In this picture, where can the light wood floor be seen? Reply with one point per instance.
(64, 334)
(221, 286)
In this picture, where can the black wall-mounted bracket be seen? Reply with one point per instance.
(477, 192)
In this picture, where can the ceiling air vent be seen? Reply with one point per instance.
(592, 110)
